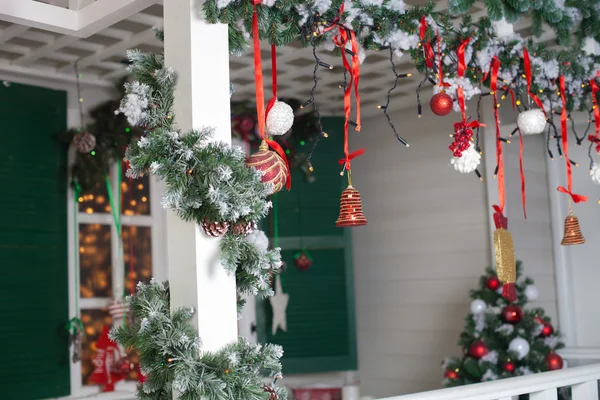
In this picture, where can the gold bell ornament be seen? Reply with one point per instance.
(504, 251)
(572, 234)
(351, 211)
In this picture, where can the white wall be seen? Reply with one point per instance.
(427, 243)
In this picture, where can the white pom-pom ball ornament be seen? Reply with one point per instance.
(280, 119)
(468, 162)
(531, 292)
(531, 122)
(519, 346)
(478, 306)
(595, 173)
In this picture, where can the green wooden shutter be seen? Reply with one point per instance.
(33, 244)
(321, 334)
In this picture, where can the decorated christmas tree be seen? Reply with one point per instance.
(503, 339)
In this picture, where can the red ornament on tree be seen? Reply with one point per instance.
(478, 349)
(493, 283)
(273, 167)
(441, 104)
(451, 374)
(512, 314)
(554, 361)
(509, 366)
(303, 260)
(547, 330)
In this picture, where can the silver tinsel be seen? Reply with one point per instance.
(531, 122)
(280, 119)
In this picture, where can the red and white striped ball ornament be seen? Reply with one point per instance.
(118, 310)
(84, 142)
(271, 165)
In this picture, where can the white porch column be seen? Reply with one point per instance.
(199, 54)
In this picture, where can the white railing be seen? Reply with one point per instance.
(582, 380)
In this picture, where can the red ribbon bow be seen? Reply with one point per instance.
(260, 96)
(351, 156)
(527, 65)
(565, 143)
(500, 221)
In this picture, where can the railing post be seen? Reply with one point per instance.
(548, 394)
(585, 391)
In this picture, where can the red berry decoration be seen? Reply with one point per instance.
(554, 361)
(451, 374)
(462, 138)
(441, 104)
(478, 349)
(547, 330)
(493, 283)
(512, 314)
(509, 366)
(303, 260)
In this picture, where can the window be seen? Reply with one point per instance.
(103, 276)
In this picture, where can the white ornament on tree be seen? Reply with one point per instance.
(531, 122)
(279, 304)
(595, 173)
(519, 346)
(478, 306)
(280, 119)
(468, 162)
(531, 292)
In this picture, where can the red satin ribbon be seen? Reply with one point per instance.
(522, 172)
(351, 156)
(565, 143)
(427, 49)
(500, 221)
(260, 96)
(441, 63)
(596, 140)
(462, 66)
(595, 91)
(527, 65)
(499, 157)
(274, 68)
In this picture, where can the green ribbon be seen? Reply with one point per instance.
(75, 321)
(73, 324)
(275, 221)
(113, 209)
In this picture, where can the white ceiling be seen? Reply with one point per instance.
(34, 52)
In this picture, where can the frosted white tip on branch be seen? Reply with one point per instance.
(468, 162)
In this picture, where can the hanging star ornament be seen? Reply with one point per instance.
(279, 304)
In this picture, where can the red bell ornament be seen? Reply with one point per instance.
(512, 314)
(441, 104)
(272, 166)
(351, 212)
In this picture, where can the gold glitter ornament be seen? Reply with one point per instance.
(504, 252)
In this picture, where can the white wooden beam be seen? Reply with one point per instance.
(7, 69)
(201, 99)
(45, 50)
(79, 4)
(84, 21)
(11, 32)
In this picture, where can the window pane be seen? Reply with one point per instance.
(135, 194)
(93, 323)
(95, 260)
(95, 200)
(137, 249)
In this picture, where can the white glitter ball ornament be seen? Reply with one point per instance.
(531, 122)
(280, 119)
(84, 142)
(468, 162)
(595, 173)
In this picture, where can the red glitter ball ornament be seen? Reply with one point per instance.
(493, 283)
(451, 374)
(554, 361)
(478, 349)
(441, 104)
(547, 330)
(303, 260)
(512, 314)
(271, 165)
(509, 366)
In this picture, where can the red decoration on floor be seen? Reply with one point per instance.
(554, 361)
(509, 366)
(107, 363)
(512, 314)
(493, 283)
(478, 349)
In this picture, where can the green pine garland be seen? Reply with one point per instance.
(172, 361)
(492, 330)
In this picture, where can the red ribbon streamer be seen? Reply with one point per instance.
(527, 65)
(260, 95)
(441, 63)
(499, 157)
(462, 66)
(522, 172)
(595, 91)
(596, 140)
(565, 143)
(428, 51)
(351, 156)
(274, 68)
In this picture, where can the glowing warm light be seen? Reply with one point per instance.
(100, 199)
(82, 249)
(133, 202)
(89, 210)
(80, 199)
(144, 199)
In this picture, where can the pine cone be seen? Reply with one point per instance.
(243, 228)
(214, 228)
(271, 391)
